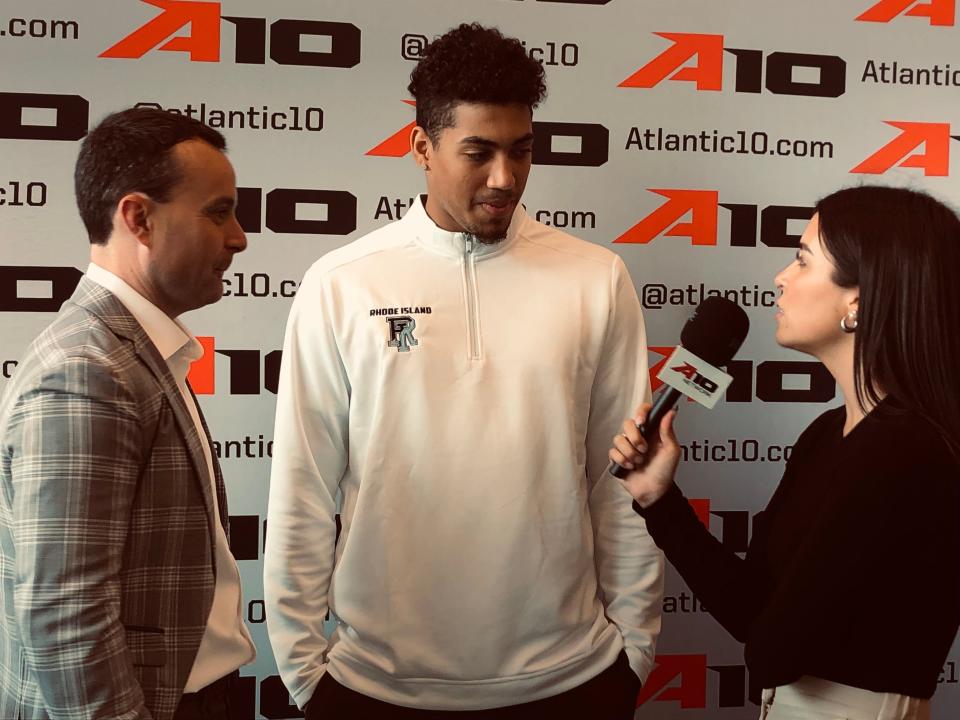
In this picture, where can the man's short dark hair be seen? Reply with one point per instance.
(472, 64)
(130, 151)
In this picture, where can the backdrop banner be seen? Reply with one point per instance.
(691, 137)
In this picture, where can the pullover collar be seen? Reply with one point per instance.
(454, 244)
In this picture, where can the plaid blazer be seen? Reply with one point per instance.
(107, 565)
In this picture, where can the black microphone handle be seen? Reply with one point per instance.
(650, 429)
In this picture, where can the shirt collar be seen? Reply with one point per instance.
(168, 334)
(454, 244)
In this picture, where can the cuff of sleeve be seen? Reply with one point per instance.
(669, 518)
(665, 506)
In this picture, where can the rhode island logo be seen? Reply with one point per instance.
(401, 332)
(401, 324)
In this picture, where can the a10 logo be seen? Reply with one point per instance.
(203, 43)
(899, 152)
(703, 208)
(683, 679)
(767, 381)
(751, 67)
(939, 12)
(592, 140)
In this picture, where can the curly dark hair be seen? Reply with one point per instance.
(473, 64)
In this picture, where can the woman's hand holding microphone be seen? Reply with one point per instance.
(652, 465)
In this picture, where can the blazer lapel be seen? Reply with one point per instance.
(217, 473)
(101, 302)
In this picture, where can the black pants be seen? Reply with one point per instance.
(209, 703)
(611, 695)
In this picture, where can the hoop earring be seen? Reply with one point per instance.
(849, 328)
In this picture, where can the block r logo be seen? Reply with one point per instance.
(401, 332)
(940, 12)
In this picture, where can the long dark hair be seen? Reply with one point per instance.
(902, 249)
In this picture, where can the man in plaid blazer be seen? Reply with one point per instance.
(119, 595)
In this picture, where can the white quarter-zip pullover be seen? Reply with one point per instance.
(462, 397)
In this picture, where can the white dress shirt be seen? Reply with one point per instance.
(226, 643)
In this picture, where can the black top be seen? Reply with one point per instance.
(853, 570)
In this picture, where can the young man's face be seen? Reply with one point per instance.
(477, 170)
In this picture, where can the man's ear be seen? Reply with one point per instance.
(134, 214)
(421, 146)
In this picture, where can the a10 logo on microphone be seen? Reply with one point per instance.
(694, 377)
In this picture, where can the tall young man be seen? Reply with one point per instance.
(456, 377)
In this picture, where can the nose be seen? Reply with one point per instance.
(780, 279)
(502, 175)
(236, 239)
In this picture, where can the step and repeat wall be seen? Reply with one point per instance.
(691, 137)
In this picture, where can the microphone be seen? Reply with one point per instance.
(713, 334)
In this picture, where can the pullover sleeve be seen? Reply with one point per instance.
(309, 460)
(629, 564)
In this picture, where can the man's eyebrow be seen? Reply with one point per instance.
(477, 140)
(223, 202)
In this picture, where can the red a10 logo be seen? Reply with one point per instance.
(940, 12)
(702, 207)
(203, 42)
(683, 679)
(899, 152)
(751, 66)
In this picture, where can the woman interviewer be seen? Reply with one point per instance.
(848, 599)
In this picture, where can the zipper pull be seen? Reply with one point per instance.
(468, 243)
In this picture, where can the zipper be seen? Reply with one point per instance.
(473, 304)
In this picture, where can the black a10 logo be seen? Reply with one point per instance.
(43, 116)
(785, 381)
(333, 212)
(33, 288)
(581, 144)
